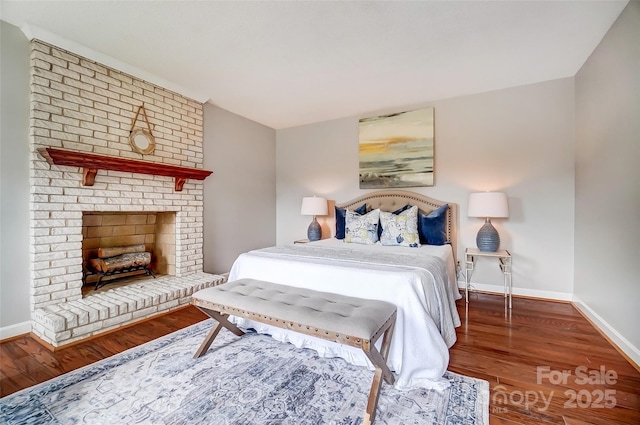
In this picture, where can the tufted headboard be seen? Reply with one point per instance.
(391, 200)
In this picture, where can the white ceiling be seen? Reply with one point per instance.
(284, 64)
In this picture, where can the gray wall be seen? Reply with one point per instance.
(14, 179)
(518, 140)
(607, 223)
(240, 195)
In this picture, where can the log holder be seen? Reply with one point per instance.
(98, 285)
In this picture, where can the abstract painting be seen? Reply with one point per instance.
(396, 150)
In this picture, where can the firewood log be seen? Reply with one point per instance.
(121, 262)
(117, 250)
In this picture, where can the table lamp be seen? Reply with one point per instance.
(487, 205)
(314, 206)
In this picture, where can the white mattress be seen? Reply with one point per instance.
(419, 281)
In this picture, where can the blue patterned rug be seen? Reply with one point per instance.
(249, 380)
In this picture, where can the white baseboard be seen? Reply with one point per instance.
(15, 330)
(614, 336)
(534, 293)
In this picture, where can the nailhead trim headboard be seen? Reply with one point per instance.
(391, 200)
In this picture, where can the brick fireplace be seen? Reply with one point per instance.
(82, 106)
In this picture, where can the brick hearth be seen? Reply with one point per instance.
(74, 320)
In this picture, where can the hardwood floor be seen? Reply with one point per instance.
(24, 362)
(522, 355)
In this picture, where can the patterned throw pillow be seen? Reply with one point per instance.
(341, 213)
(398, 211)
(400, 229)
(362, 229)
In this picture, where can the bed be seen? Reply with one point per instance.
(420, 281)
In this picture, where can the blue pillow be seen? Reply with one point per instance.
(396, 212)
(340, 219)
(432, 227)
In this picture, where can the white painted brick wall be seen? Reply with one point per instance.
(82, 105)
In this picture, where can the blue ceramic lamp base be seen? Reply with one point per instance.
(314, 232)
(488, 239)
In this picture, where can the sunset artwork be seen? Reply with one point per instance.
(396, 150)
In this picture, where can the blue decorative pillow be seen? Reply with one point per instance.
(362, 229)
(400, 229)
(433, 226)
(340, 216)
(396, 212)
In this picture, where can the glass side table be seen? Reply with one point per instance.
(504, 261)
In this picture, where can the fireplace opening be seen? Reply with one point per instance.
(123, 247)
(118, 260)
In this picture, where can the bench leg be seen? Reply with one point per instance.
(380, 363)
(384, 349)
(374, 394)
(208, 340)
(379, 360)
(222, 321)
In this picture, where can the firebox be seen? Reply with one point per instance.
(118, 245)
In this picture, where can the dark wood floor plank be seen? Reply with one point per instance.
(507, 349)
(502, 347)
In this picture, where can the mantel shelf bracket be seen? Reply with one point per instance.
(180, 181)
(91, 163)
(89, 176)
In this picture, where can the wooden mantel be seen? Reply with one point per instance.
(91, 163)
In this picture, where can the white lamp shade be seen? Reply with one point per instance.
(488, 204)
(312, 205)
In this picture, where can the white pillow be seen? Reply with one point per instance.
(362, 229)
(400, 229)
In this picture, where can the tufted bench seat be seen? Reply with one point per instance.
(338, 318)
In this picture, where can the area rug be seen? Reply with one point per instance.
(241, 381)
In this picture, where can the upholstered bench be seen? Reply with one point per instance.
(346, 320)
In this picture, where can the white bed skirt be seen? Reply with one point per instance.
(419, 352)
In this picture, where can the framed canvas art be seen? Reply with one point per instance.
(396, 150)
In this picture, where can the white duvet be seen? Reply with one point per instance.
(419, 281)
